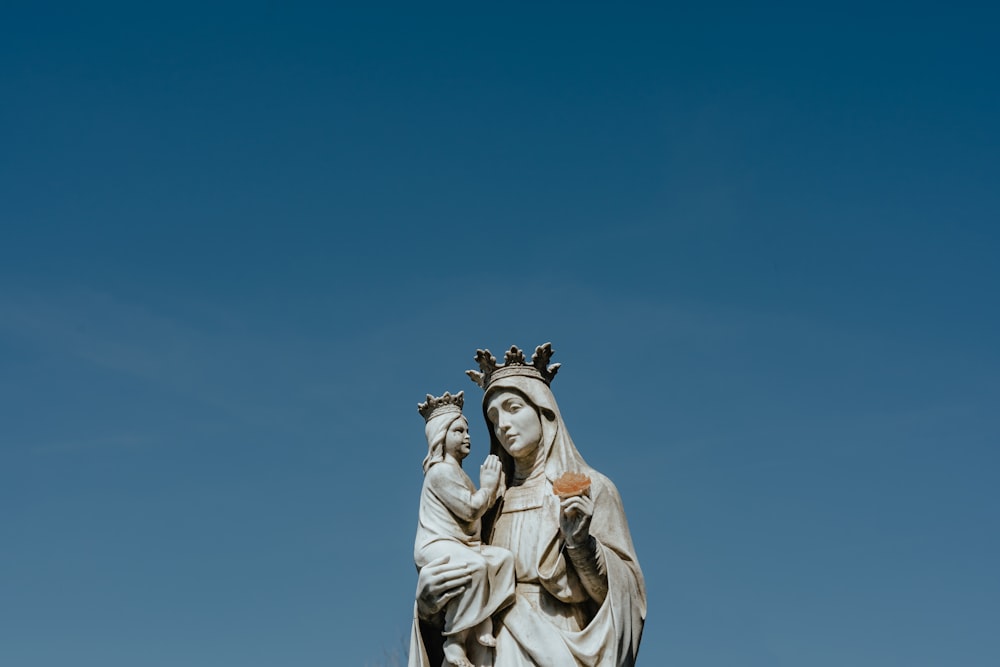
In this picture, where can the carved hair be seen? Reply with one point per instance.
(436, 431)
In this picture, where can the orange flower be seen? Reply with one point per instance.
(571, 484)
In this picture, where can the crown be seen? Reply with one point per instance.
(514, 364)
(440, 405)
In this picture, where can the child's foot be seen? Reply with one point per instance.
(487, 640)
(454, 654)
(461, 661)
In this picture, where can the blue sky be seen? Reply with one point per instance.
(239, 243)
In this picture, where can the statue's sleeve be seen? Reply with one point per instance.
(450, 487)
(588, 561)
(626, 596)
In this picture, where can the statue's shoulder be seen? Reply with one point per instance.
(445, 473)
(602, 483)
(599, 478)
(439, 470)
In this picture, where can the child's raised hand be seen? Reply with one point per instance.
(489, 474)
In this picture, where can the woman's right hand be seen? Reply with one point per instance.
(438, 582)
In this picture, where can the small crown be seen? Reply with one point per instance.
(514, 364)
(440, 405)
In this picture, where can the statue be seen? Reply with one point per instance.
(580, 599)
(448, 531)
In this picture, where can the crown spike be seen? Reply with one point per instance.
(513, 356)
(487, 362)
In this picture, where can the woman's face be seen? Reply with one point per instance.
(456, 440)
(515, 422)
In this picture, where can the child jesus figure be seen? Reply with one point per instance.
(449, 529)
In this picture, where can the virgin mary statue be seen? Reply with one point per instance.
(580, 599)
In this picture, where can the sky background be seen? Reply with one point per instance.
(239, 243)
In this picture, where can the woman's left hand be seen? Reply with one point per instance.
(574, 519)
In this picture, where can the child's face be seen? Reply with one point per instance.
(456, 441)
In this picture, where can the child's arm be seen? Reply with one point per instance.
(465, 504)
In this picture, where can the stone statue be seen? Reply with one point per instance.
(580, 599)
(448, 531)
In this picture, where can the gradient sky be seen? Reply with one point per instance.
(239, 243)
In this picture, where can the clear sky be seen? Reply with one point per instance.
(239, 243)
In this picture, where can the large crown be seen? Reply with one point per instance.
(514, 364)
(439, 405)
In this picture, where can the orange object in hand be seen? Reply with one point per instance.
(571, 484)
